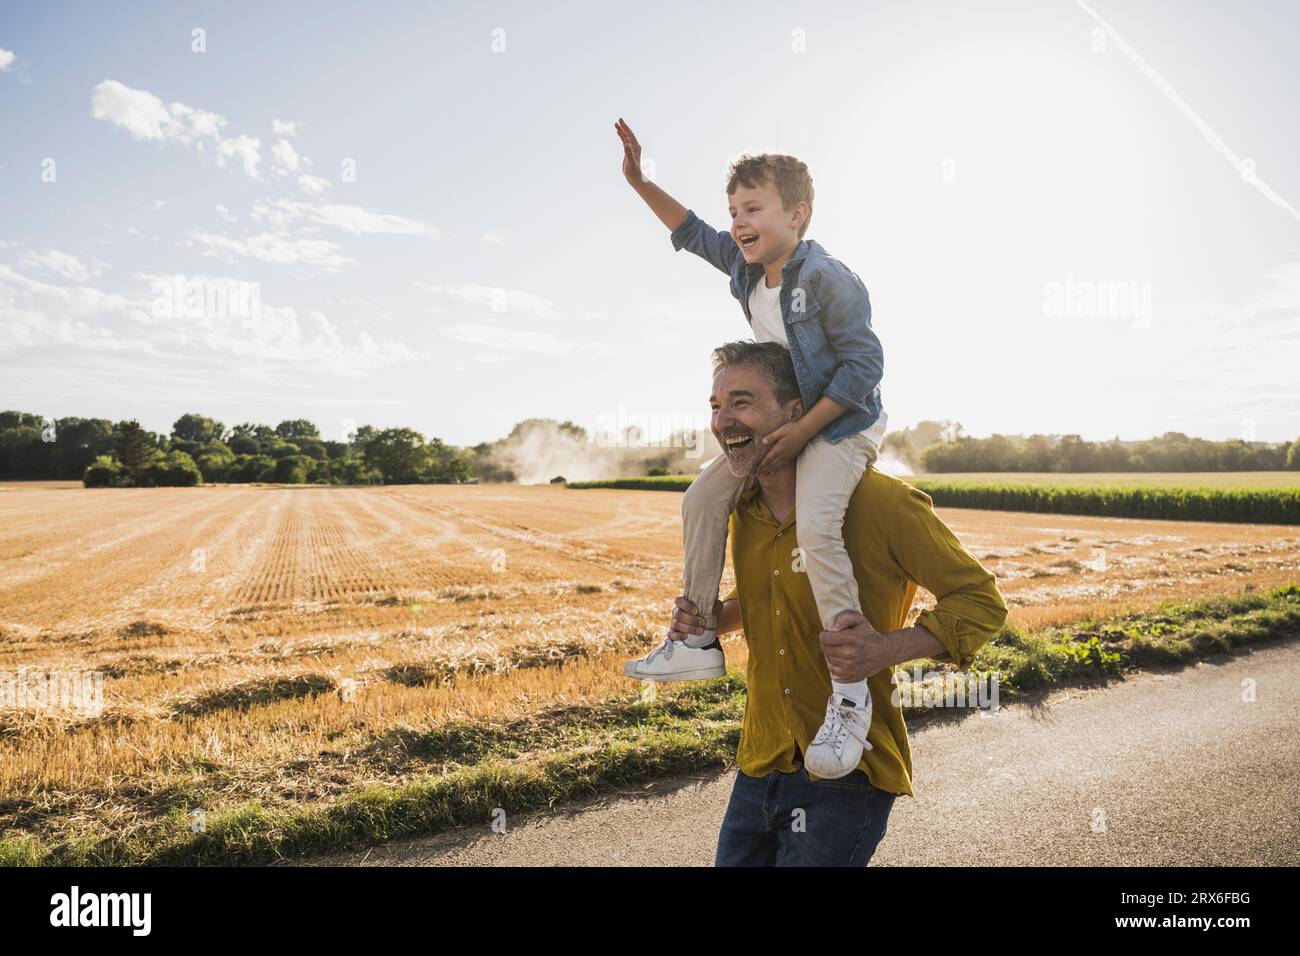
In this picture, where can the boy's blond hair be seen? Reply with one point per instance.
(787, 175)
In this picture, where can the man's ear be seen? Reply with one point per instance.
(795, 409)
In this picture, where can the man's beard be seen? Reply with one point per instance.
(744, 461)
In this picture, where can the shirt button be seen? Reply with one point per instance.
(779, 533)
(778, 612)
(783, 652)
(787, 690)
(778, 571)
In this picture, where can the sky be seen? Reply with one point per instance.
(1071, 217)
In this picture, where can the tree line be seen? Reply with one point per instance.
(102, 453)
(938, 447)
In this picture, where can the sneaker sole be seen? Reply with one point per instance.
(704, 673)
(826, 774)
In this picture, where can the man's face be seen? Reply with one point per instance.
(744, 410)
(762, 229)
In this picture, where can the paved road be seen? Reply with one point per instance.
(1168, 768)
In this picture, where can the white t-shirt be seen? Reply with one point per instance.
(765, 309)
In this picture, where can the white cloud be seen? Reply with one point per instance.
(285, 156)
(313, 185)
(7, 58)
(225, 213)
(40, 322)
(243, 148)
(353, 219)
(285, 127)
(54, 262)
(494, 238)
(148, 118)
(158, 204)
(516, 340)
(274, 247)
(497, 298)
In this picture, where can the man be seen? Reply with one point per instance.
(779, 814)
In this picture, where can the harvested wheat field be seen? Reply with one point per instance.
(289, 643)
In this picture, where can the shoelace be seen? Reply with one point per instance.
(666, 648)
(839, 728)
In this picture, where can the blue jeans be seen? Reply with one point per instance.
(785, 819)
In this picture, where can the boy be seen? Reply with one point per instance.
(791, 292)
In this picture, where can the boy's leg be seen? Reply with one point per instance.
(706, 510)
(827, 476)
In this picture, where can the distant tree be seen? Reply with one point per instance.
(103, 472)
(297, 428)
(175, 469)
(445, 464)
(137, 450)
(192, 427)
(362, 437)
(1074, 454)
(398, 454)
(311, 448)
(10, 419)
(253, 468)
(1293, 455)
(244, 445)
(280, 449)
(292, 470)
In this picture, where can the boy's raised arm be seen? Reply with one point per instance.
(670, 212)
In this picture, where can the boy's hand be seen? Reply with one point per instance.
(783, 447)
(631, 153)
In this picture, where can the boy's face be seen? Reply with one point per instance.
(756, 212)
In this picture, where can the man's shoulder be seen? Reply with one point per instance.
(877, 493)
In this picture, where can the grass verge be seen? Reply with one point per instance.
(1170, 503)
(566, 754)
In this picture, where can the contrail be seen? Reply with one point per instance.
(1203, 127)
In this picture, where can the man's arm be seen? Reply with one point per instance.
(859, 650)
(968, 612)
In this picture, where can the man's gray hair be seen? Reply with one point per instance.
(770, 358)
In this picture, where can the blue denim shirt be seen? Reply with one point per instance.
(827, 317)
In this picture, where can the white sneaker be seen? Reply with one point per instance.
(839, 743)
(676, 660)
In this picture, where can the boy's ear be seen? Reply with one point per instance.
(807, 212)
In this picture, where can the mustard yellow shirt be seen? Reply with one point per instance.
(895, 542)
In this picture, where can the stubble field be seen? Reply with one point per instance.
(290, 643)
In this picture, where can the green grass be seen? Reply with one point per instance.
(1245, 497)
(1221, 480)
(661, 483)
(566, 754)
(1244, 505)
